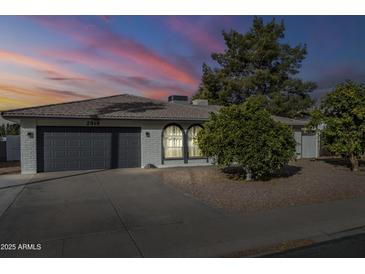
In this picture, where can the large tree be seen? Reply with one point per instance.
(342, 115)
(254, 63)
(9, 129)
(246, 135)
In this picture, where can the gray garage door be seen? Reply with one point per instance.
(77, 148)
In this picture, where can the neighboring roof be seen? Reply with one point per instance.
(290, 121)
(4, 121)
(125, 106)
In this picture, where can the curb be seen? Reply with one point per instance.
(317, 240)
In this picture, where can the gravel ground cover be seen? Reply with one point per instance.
(302, 182)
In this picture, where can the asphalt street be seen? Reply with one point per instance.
(349, 247)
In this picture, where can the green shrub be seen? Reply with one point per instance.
(246, 135)
(342, 113)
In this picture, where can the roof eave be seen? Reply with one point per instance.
(105, 118)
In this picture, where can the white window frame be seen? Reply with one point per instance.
(192, 145)
(175, 142)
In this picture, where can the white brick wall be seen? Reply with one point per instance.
(180, 163)
(151, 149)
(151, 146)
(28, 147)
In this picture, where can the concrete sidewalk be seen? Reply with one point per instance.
(234, 234)
(131, 213)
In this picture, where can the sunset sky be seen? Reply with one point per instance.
(51, 59)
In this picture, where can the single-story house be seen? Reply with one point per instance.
(121, 131)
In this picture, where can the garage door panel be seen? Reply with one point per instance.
(129, 149)
(60, 141)
(89, 164)
(58, 165)
(85, 153)
(75, 148)
(73, 143)
(69, 148)
(72, 165)
(74, 134)
(100, 143)
(85, 143)
(100, 154)
(59, 154)
(73, 154)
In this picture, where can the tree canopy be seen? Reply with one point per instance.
(254, 63)
(9, 129)
(342, 114)
(246, 135)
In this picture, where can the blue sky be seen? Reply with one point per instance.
(51, 59)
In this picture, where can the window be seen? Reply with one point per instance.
(194, 150)
(173, 142)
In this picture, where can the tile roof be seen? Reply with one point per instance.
(122, 106)
(127, 107)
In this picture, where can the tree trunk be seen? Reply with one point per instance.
(354, 163)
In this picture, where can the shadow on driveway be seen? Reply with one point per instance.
(51, 177)
(342, 163)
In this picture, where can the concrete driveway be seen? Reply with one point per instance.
(132, 213)
(95, 213)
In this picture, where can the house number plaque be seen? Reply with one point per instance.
(92, 123)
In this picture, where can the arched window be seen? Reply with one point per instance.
(173, 142)
(194, 150)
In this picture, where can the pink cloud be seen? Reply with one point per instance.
(147, 86)
(29, 62)
(93, 61)
(122, 75)
(94, 36)
(196, 33)
(55, 77)
(157, 94)
(105, 18)
(17, 96)
(130, 50)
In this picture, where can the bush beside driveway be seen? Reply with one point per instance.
(302, 182)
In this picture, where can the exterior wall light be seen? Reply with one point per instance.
(148, 134)
(30, 135)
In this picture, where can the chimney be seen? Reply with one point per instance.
(200, 102)
(178, 99)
